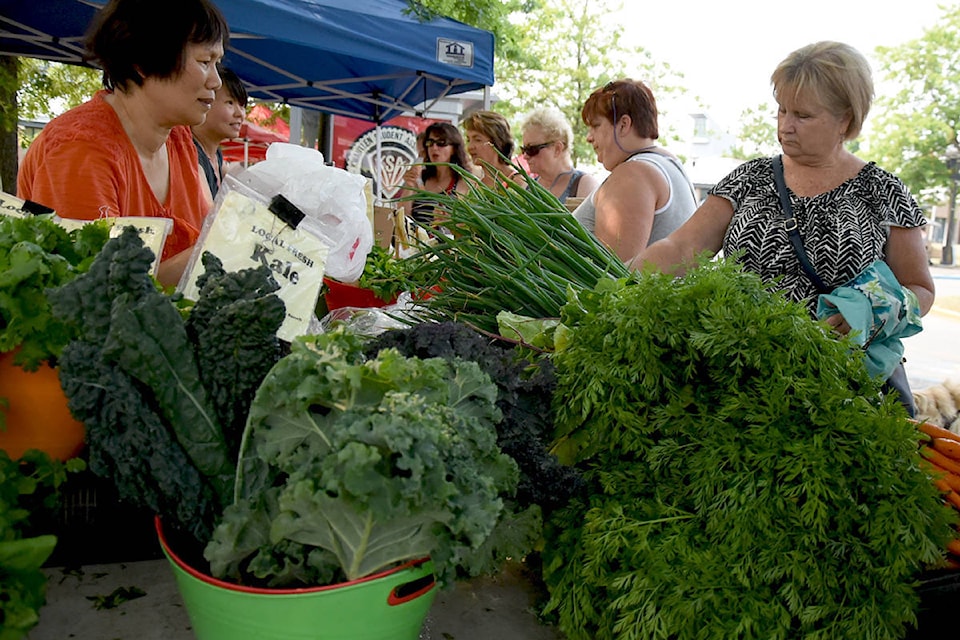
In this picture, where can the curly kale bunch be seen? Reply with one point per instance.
(524, 397)
(365, 464)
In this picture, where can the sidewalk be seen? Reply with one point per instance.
(495, 608)
(931, 354)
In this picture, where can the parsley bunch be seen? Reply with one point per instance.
(385, 274)
(36, 254)
(747, 479)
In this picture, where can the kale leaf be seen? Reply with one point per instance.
(145, 383)
(233, 327)
(524, 392)
(128, 442)
(374, 461)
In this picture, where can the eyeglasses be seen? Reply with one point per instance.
(533, 149)
(430, 142)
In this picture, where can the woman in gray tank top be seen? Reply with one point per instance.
(647, 194)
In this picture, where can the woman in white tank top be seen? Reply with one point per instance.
(647, 194)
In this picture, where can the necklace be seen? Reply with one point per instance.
(640, 150)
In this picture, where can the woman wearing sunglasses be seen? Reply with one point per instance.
(647, 194)
(441, 146)
(547, 140)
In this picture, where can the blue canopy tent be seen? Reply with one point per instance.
(366, 59)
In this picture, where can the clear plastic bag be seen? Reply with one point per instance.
(331, 198)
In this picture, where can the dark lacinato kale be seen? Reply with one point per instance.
(524, 397)
(131, 445)
(154, 394)
(233, 327)
(120, 270)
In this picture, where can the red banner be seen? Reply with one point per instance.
(355, 148)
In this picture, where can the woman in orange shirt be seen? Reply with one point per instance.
(129, 150)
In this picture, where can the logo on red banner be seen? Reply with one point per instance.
(355, 149)
(398, 150)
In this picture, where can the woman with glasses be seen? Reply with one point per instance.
(441, 146)
(547, 140)
(490, 144)
(647, 194)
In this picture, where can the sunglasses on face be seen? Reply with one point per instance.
(533, 149)
(430, 142)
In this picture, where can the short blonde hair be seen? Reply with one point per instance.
(837, 75)
(553, 123)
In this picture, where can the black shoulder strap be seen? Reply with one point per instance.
(572, 187)
(790, 224)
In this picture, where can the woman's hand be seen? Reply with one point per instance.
(838, 323)
(411, 178)
(171, 269)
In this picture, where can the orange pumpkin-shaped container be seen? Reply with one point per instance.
(36, 414)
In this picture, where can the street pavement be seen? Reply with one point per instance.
(933, 355)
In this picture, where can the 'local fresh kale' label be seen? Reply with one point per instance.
(245, 234)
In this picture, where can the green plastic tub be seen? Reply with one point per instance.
(387, 606)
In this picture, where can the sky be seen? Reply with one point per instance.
(727, 49)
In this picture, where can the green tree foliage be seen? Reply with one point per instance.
(758, 133)
(572, 47)
(8, 122)
(916, 123)
(47, 89)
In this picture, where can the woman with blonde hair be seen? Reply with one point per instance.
(547, 142)
(490, 144)
(844, 212)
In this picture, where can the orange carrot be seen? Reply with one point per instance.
(949, 563)
(952, 479)
(949, 448)
(934, 431)
(940, 460)
(954, 546)
(950, 495)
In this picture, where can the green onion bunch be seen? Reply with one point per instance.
(505, 248)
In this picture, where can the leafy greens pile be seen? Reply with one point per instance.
(350, 465)
(36, 253)
(28, 489)
(163, 398)
(525, 390)
(746, 479)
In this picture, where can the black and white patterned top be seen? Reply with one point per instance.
(843, 230)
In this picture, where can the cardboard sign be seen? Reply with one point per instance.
(153, 231)
(12, 206)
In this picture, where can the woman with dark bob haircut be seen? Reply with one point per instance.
(129, 150)
(647, 194)
(440, 146)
